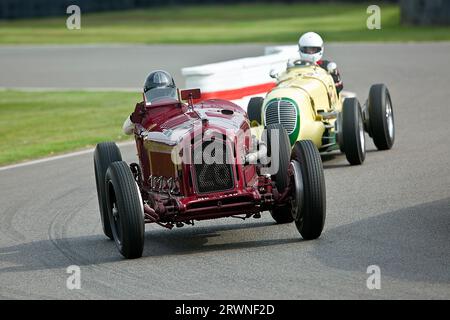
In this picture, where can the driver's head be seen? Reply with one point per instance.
(158, 85)
(310, 46)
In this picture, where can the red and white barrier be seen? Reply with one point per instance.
(239, 80)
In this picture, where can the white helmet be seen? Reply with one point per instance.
(310, 46)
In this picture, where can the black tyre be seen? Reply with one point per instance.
(381, 117)
(310, 217)
(353, 132)
(105, 153)
(125, 210)
(282, 215)
(254, 109)
(279, 173)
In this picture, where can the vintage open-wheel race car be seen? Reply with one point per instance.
(200, 160)
(305, 101)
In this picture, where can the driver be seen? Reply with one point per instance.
(158, 86)
(311, 50)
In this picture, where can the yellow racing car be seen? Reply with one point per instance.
(306, 103)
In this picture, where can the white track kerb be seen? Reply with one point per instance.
(239, 80)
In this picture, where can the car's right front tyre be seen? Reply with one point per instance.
(125, 210)
(105, 153)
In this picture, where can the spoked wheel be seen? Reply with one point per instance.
(105, 153)
(353, 132)
(381, 117)
(308, 206)
(125, 210)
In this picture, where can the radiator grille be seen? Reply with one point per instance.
(284, 112)
(213, 177)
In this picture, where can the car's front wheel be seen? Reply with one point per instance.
(105, 153)
(309, 192)
(125, 210)
(279, 151)
(353, 132)
(254, 110)
(381, 117)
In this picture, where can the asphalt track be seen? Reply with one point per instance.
(106, 66)
(393, 212)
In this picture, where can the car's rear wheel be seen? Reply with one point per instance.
(353, 132)
(381, 117)
(125, 210)
(279, 151)
(309, 192)
(105, 153)
(254, 110)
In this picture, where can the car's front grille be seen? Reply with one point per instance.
(284, 112)
(213, 176)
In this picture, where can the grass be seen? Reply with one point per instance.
(38, 124)
(221, 24)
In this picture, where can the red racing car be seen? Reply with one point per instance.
(198, 161)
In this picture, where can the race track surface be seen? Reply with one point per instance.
(394, 211)
(106, 66)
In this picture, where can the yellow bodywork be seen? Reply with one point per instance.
(312, 91)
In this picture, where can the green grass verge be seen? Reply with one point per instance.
(221, 24)
(38, 124)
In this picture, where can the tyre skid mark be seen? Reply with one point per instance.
(57, 234)
(6, 225)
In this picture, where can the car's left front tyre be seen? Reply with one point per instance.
(381, 117)
(309, 191)
(254, 110)
(353, 134)
(125, 210)
(279, 150)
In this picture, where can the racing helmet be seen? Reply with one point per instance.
(310, 46)
(159, 85)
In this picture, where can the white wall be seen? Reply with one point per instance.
(239, 77)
